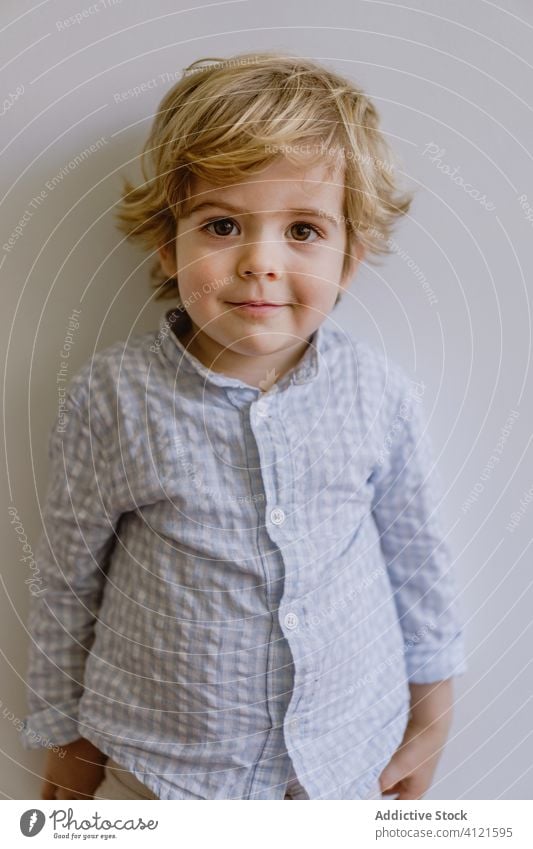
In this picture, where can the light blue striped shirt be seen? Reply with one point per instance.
(237, 582)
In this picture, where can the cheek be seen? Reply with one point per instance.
(197, 270)
(317, 290)
(325, 263)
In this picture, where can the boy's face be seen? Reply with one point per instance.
(253, 243)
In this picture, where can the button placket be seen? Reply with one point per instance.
(263, 405)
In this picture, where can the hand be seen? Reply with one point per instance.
(77, 774)
(410, 771)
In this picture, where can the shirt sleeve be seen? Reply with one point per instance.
(418, 558)
(71, 556)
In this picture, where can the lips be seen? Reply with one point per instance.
(256, 309)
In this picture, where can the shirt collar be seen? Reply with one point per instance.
(304, 371)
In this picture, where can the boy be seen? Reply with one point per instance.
(249, 595)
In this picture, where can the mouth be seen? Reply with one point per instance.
(255, 304)
(256, 308)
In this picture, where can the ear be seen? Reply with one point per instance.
(167, 258)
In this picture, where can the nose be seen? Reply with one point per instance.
(259, 260)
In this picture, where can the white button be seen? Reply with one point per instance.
(294, 723)
(277, 516)
(291, 620)
(261, 408)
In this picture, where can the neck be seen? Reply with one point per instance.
(261, 371)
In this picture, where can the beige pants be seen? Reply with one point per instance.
(118, 783)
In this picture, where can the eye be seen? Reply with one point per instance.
(301, 229)
(222, 224)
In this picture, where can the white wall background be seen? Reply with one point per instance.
(452, 74)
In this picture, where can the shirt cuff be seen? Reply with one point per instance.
(54, 726)
(448, 662)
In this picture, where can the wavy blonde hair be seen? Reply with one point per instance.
(228, 118)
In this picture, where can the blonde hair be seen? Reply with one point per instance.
(228, 118)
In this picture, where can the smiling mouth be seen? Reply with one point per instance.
(254, 304)
(255, 309)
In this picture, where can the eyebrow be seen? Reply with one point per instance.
(318, 213)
